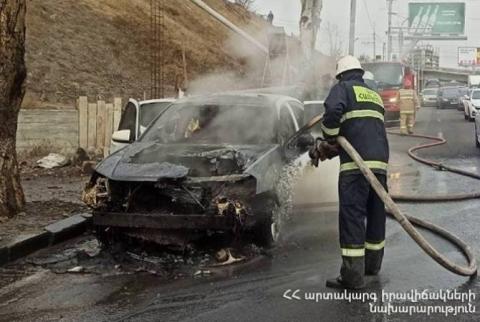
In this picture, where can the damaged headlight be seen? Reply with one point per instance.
(96, 192)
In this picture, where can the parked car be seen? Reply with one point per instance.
(432, 83)
(477, 130)
(134, 120)
(463, 92)
(206, 165)
(472, 104)
(448, 97)
(429, 97)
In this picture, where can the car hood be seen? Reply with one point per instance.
(476, 102)
(150, 161)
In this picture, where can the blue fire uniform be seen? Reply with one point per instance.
(355, 111)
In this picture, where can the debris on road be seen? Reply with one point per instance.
(225, 257)
(76, 269)
(53, 160)
(202, 273)
(90, 247)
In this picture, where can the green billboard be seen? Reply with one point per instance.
(437, 17)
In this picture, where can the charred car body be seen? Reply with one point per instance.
(205, 165)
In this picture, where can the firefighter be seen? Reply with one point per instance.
(408, 102)
(270, 17)
(355, 111)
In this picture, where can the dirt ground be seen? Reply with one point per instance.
(102, 48)
(51, 195)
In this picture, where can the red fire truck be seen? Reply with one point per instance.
(390, 77)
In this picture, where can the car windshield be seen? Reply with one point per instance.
(149, 111)
(213, 124)
(450, 92)
(386, 75)
(476, 95)
(430, 92)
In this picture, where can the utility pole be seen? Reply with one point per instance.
(374, 44)
(353, 15)
(389, 32)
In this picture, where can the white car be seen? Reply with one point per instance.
(477, 130)
(429, 97)
(135, 118)
(472, 104)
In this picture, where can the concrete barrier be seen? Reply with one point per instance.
(54, 129)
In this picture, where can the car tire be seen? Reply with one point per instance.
(267, 232)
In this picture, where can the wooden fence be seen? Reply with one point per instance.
(89, 126)
(96, 123)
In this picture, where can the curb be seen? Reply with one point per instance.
(55, 233)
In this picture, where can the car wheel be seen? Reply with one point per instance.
(268, 232)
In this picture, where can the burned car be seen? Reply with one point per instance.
(206, 165)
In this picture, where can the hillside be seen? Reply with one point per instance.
(102, 48)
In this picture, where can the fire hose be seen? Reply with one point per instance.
(439, 166)
(407, 222)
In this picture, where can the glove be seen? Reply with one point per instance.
(322, 151)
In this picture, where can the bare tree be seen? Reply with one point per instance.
(334, 40)
(12, 76)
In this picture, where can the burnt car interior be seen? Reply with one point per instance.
(213, 124)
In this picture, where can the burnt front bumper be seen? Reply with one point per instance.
(163, 221)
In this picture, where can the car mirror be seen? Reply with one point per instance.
(121, 136)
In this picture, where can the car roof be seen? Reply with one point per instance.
(160, 100)
(451, 87)
(237, 98)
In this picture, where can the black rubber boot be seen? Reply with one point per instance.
(351, 274)
(373, 261)
(338, 283)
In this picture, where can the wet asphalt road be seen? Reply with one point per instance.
(255, 291)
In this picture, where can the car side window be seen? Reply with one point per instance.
(128, 120)
(286, 125)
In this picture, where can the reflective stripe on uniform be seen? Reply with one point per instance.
(363, 94)
(329, 131)
(375, 246)
(353, 252)
(371, 164)
(406, 94)
(362, 114)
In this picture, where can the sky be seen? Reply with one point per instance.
(371, 15)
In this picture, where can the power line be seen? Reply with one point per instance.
(368, 15)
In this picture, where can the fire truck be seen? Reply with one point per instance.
(391, 77)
